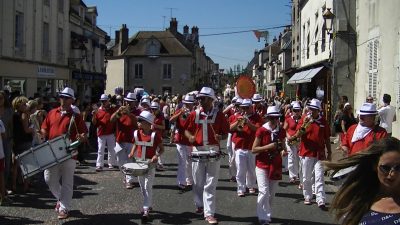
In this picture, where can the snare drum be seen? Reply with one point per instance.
(204, 156)
(135, 168)
(45, 155)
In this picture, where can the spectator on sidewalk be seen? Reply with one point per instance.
(387, 114)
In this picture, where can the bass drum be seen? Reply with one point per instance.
(245, 87)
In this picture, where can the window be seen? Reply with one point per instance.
(46, 2)
(308, 45)
(167, 71)
(373, 47)
(61, 6)
(316, 41)
(323, 40)
(19, 31)
(138, 71)
(60, 43)
(45, 41)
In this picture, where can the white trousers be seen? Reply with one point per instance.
(246, 165)
(308, 165)
(293, 160)
(146, 187)
(184, 175)
(122, 158)
(103, 141)
(266, 194)
(61, 191)
(230, 146)
(205, 179)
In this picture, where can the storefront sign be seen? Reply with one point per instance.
(46, 71)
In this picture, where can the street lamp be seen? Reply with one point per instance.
(328, 19)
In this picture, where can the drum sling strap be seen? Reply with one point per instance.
(144, 144)
(204, 123)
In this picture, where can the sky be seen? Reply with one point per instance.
(210, 16)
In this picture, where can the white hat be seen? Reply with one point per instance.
(296, 105)
(238, 101)
(104, 97)
(315, 104)
(67, 92)
(189, 99)
(246, 102)
(146, 116)
(367, 109)
(346, 104)
(155, 105)
(119, 97)
(257, 98)
(130, 97)
(145, 101)
(234, 99)
(273, 111)
(207, 92)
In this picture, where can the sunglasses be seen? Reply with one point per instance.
(296, 110)
(245, 107)
(386, 169)
(370, 99)
(64, 97)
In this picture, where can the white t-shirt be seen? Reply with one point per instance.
(2, 131)
(387, 115)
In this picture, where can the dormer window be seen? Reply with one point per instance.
(153, 48)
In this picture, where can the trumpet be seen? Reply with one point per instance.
(185, 113)
(241, 123)
(308, 120)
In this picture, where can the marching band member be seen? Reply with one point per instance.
(60, 121)
(158, 127)
(204, 128)
(314, 133)
(268, 147)
(290, 126)
(183, 146)
(126, 123)
(230, 146)
(145, 104)
(259, 108)
(148, 145)
(360, 136)
(243, 129)
(105, 133)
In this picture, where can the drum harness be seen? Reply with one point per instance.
(204, 122)
(144, 145)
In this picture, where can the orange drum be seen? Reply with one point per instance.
(245, 87)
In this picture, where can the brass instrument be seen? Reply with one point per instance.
(308, 121)
(241, 123)
(185, 113)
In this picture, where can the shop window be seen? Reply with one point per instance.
(17, 86)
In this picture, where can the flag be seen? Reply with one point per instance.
(260, 34)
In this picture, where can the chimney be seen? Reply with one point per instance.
(195, 34)
(273, 40)
(123, 38)
(116, 37)
(186, 30)
(173, 26)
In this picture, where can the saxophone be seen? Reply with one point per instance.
(302, 130)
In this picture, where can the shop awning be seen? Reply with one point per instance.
(304, 76)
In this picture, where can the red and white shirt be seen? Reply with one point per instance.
(244, 139)
(104, 124)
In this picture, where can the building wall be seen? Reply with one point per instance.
(378, 21)
(30, 64)
(115, 75)
(311, 25)
(153, 81)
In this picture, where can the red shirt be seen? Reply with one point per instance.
(56, 125)
(376, 134)
(244, 139)
(126, 124)
(264, 159)
(159, 119)
(292, 125)
(150, 151)
(103, 124)
(220, 127)
(313, 140)
(180, 137)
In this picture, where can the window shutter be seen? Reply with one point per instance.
(373, 47)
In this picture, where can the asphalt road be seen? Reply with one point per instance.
(101, 198)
